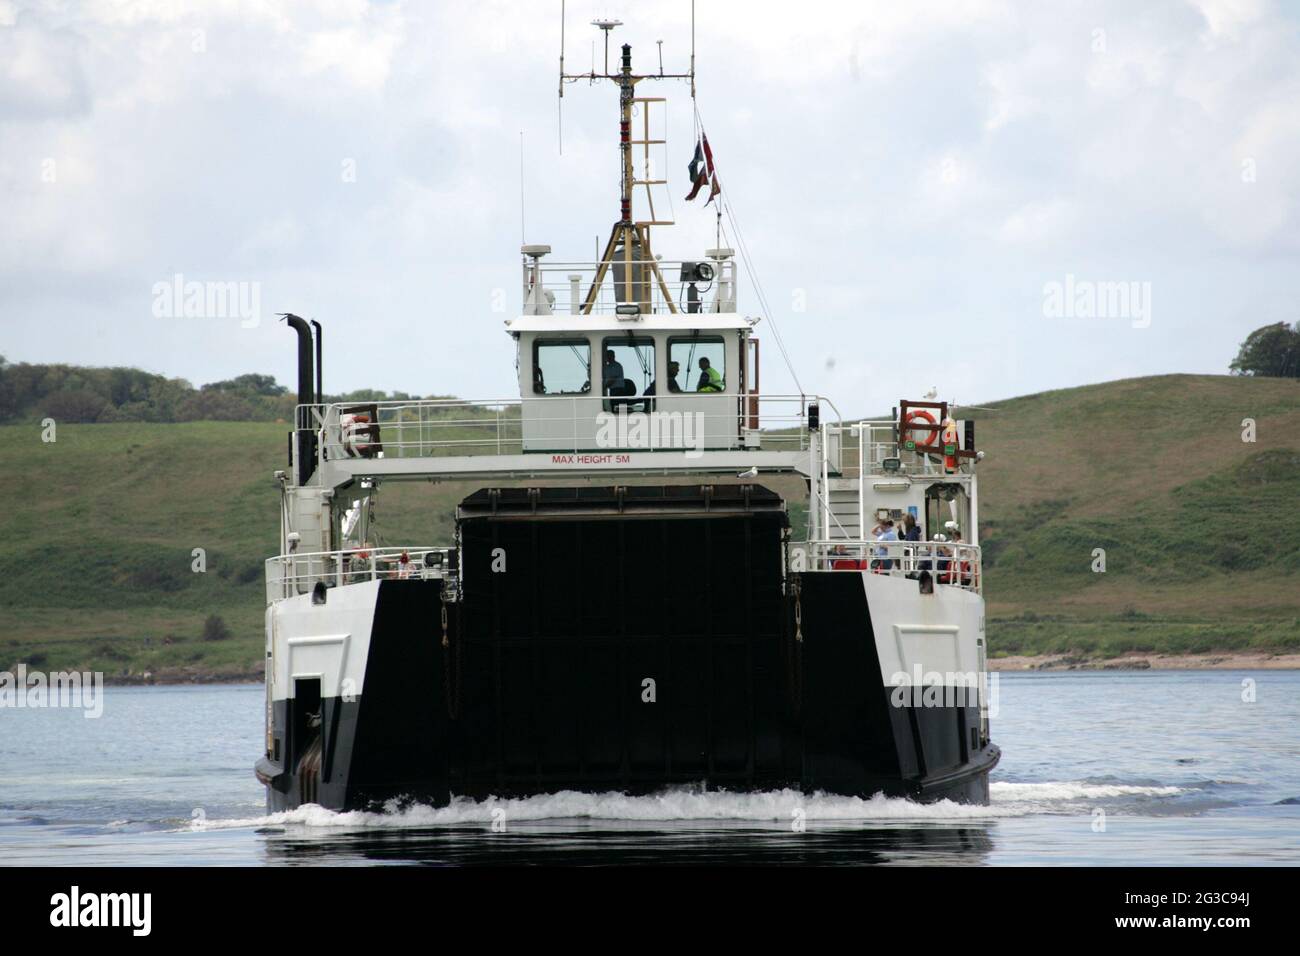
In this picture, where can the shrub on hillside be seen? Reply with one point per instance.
(215, 629)
(215, 405)
(78, 406)
(1272, 350)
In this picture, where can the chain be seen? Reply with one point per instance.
(798, 612)
(794, 667)
(453, 699)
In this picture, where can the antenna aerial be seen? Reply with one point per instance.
(605, 26)
(629, 240)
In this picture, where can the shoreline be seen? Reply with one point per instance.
(1220, 661)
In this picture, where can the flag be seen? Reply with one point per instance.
(699, 172)
(716, 186)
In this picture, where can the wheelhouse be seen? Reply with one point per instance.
(655, 366)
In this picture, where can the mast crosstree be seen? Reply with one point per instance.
(628, 250)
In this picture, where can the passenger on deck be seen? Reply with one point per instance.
(909, 532)
(883, 562)
(710, 378)
(842, 561)
(961, 569)
(933, 549)
(944, 555)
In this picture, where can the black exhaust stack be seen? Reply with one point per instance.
(307, 395)
(320, 334)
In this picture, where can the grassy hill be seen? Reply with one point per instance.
(1201, 530)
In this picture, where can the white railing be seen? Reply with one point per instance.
(419, 428)
(947, 562)
(566, 286)
(868, 445)
(422, 428)
(290, 574)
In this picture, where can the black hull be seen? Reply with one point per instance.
(541, 687)
(835, 729)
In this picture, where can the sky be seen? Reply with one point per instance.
(994, 198)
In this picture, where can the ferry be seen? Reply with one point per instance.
(627, 603)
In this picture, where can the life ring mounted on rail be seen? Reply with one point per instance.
(932, 433)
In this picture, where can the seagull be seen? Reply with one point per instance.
(932, 394)
(752, 473)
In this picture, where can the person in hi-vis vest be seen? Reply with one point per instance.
(710, 379)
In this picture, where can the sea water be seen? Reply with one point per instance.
(1156, 767)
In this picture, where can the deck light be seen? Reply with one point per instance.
(901, 485)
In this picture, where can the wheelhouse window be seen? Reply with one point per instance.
(561, 367)
(627, 370)
(697, 364)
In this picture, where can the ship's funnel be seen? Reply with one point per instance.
(305, 436)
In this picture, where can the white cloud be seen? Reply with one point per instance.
(898, 166)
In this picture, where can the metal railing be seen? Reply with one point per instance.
(947, 562)
(424, 428)
(565, 287)
(867, 445)
(291, 574)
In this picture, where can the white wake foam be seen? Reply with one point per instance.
(687, 804)
(1072, 790)
(778, 806)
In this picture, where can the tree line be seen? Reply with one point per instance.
(73, 393)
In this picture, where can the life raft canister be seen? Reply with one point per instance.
(949, 445)
(932, 434)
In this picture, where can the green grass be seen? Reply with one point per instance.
(1135, 633)
(1201, 531)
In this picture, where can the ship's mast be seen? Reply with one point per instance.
(628, 240)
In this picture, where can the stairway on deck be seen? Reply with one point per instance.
(842, 497)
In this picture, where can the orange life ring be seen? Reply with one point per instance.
(921, 413)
